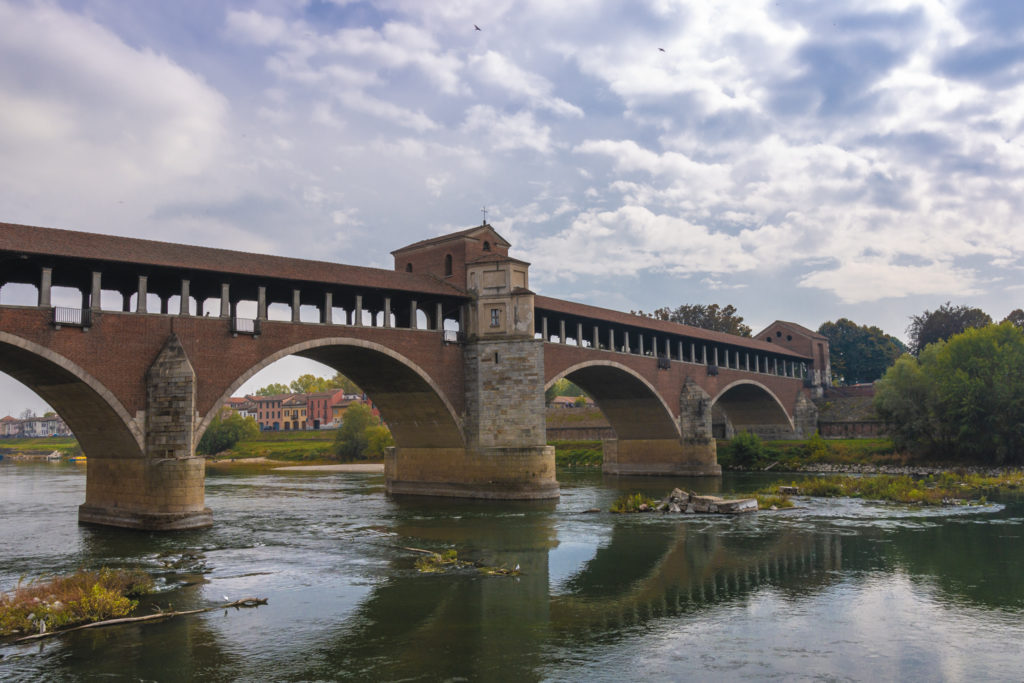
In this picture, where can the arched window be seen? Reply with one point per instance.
(447, 265)
(487, 246)
(408, 267)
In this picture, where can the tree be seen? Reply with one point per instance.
(340, 381)
(378, 440)
(352, 439)
(1016, 317)
(272, 390)
(943, 323)
(49, 413)
(860, 353)
(224, 433)
(308, 384)
(708, 317)
(27, 414)
(960, 398)
(562, 387)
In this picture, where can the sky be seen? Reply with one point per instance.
(801, 160)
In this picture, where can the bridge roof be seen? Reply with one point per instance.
(628, 319)
(71, 244)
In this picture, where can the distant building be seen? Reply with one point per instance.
(293, 410)
(570, 401)
(10, 426)
(320, 408)
(40, 427)
(269, 413)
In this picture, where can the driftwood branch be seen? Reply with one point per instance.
(244, 602)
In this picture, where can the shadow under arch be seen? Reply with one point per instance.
(415, 408)
(632, 406)
(747, 403)
(97, 418)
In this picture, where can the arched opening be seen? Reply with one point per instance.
(750, 406)
(98, 420)
(408, 267)
(409, 402)
(487, 245)
(631, 405)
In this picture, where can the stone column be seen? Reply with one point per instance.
(544, 328)
(704, 353)
(693, 352)
(439, 316)
(625, 344)
(183, 309)
(716, 355)
(225, 300)
(579, 334)
(413, 308)
(561, 331)
(45, 284)
(161, 487)
(96, 294)
(746, 361)
(296, 304)
(261, 303)
(611, 338)
(141, 305)
(640, 340)
(387, 311)
(775, 366)
(327, 313)
(596, 339)
(357, 315)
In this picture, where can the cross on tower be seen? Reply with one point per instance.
(484, 212)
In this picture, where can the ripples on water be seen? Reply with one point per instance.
(836, 590)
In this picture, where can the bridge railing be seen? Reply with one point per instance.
(72, 317)
(245, 326)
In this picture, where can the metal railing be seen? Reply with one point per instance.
(72, 317)
(245, 326)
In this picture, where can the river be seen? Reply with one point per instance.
(843, 590)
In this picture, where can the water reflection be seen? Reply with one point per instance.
(599, 595)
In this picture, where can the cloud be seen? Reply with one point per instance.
(498, 71)
(506, 132)
(863, 281)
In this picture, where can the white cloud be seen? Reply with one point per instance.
(508, 132)
(863, 281)
(497, 70)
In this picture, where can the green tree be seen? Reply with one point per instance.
(859, 353)
(962, 398)
(943, 323)
(1016, 317)
(352, 438)
(708, 317)
(562, 387)
(340, 381)
(224, 433)
(272, 390)
(378, 440)
(308, 384)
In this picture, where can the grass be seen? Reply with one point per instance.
(291, 446)
(796, 454)
(577, 453)
(63, 601)
(67, 445)
(633, 503)
(765, 501)
(942, 489)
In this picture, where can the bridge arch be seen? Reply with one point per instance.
(633, 406)
(97, 418)
(415, 408)
(748, 404)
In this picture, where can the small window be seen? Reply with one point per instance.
(778, 334)
(447, 265)
(487, 245)
(495, 317)
(408, 267)
(789, 337)
(767, 339)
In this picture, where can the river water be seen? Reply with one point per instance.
(831, 591)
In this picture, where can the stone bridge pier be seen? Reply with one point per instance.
(690, 451)
(162, 487)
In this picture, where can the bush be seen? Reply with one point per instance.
(224, 433)
(747, 449)
(361, 435)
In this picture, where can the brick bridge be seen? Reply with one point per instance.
(150, 338)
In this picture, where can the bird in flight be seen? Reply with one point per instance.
(477, 27)
(661, 49)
